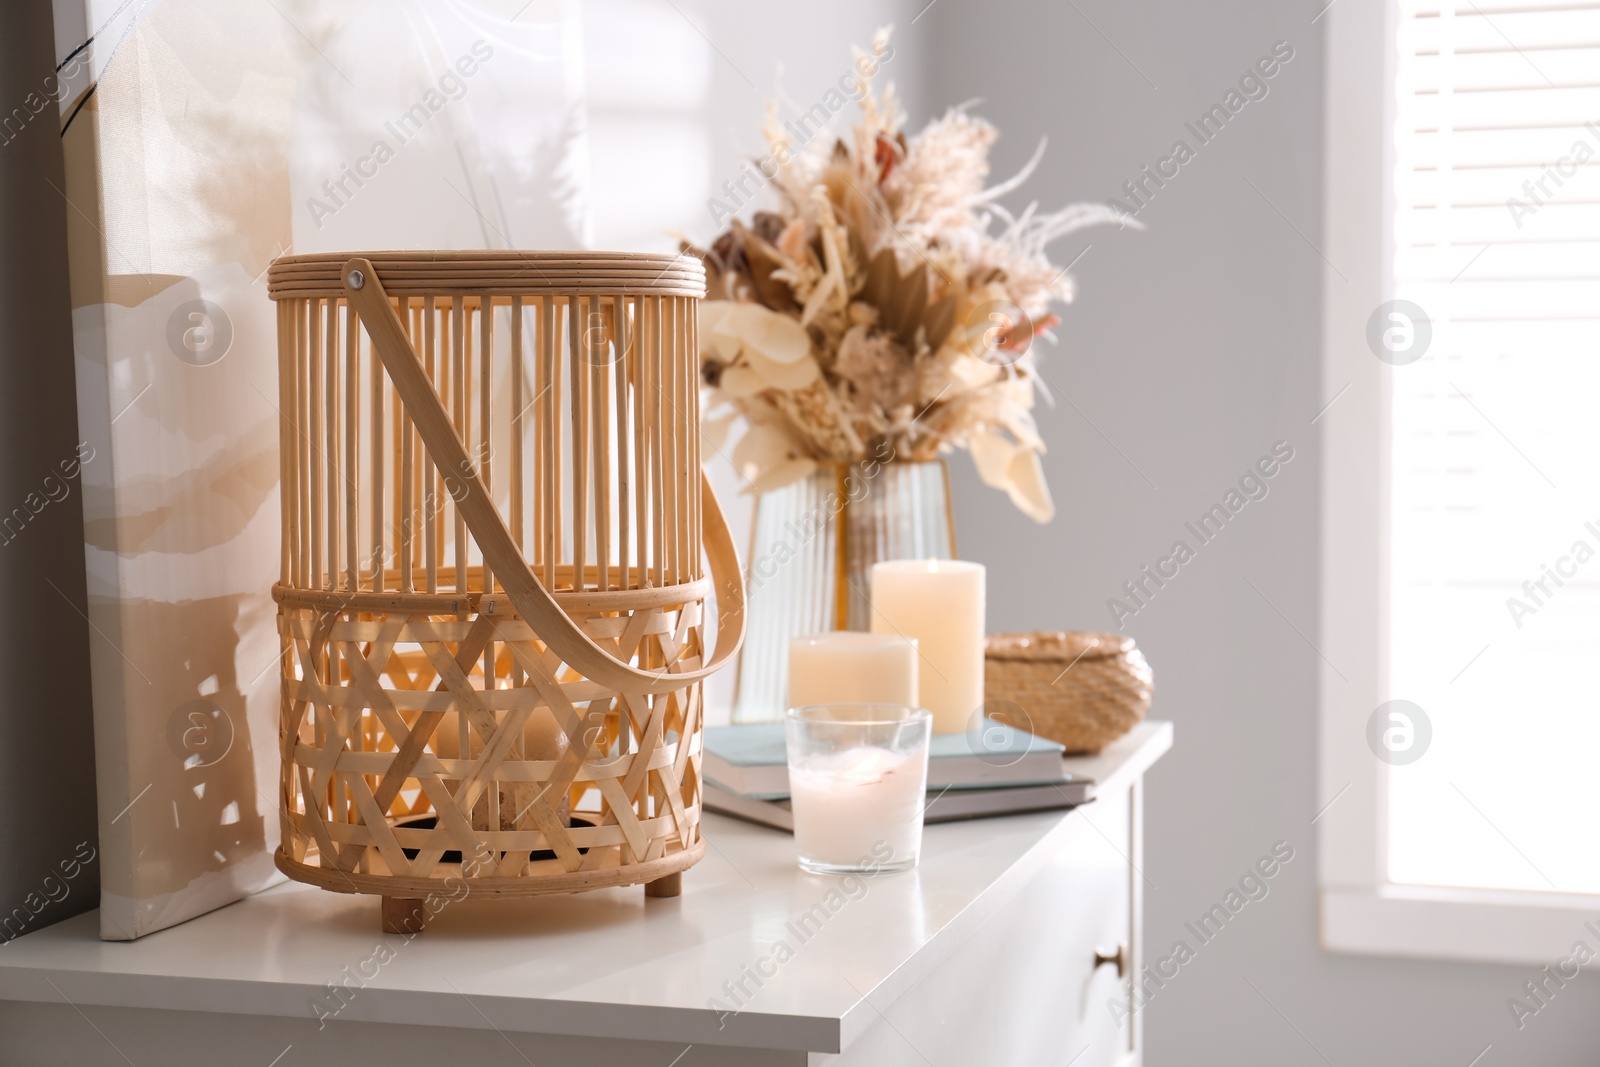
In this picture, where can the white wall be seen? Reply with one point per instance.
(1193, 348)
(677, 92)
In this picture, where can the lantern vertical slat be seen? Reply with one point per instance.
(579, 394)
(394, 427)
(352, 456)
(411, 442)
(445, 363)
(518, 385)
(660, 464)
(549, 469)
(404, 504)
(624, 487)
(597, 366)
(680, 448)
(285, 455)
(641, 479)
(298, 419)
(676, 445)
(486, 383)
(458, 403)
(697, 460)
(330, 440)
(430, 474)
(485, 457)
(652, 404)
(329, 456)
(375, 463)
(313, 429)
(621, 367)
(514, 433)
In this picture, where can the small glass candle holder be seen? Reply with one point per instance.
(858, 779)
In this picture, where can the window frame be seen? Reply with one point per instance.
(1360, 909)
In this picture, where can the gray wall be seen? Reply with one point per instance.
(1193, 348)
(46, 737)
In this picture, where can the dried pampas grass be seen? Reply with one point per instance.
(888, 306)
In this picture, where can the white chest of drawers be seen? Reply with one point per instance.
(985, 954)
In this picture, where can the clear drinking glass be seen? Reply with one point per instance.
(858, 779)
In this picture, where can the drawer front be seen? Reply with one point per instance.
(1025, 989)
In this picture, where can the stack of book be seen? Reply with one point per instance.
(1001, 771)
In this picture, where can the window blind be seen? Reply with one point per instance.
(1494, 443)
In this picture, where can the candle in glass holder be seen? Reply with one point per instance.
(939, 602)
(858, 776)
(845, 667)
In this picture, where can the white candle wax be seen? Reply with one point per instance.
(940, 604)
(859, 806)
(852, 668)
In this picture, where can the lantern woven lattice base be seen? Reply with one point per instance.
(400, 683)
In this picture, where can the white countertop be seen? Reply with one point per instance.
(605, 963)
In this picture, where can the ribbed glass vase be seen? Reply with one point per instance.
(812, 546)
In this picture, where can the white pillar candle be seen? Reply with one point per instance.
(852, 668)
(940, 604)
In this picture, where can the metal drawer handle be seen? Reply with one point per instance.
(1119, 957)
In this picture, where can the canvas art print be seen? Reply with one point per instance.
(204, 138)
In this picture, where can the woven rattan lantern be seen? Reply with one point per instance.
(493, 601)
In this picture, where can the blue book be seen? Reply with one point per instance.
(752, 759)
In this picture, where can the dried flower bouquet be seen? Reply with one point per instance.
(874, 314)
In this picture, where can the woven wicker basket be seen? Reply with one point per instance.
(492, 685)
(1083, 690)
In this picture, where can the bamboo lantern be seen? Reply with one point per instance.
(492, 607)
